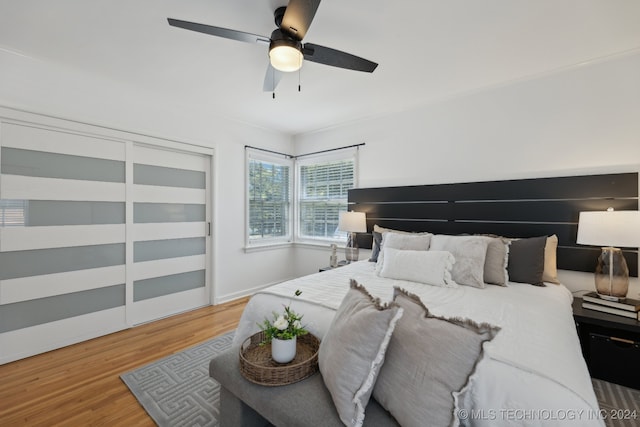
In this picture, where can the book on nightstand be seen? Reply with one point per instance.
(611, 310)
(627, 304)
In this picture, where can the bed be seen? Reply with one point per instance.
(532, 372)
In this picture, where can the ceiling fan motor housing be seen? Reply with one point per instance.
(278, 38)
(278, 14)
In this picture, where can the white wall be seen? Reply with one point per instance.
(582, 120)
(51, 89)
(576, 121)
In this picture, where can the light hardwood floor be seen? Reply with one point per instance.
(80, 385)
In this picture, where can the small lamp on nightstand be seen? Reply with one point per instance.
(608, 229)
(352, 222)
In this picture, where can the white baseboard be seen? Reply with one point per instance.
(241, 294)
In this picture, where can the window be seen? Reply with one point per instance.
(13, 213)
(323, 183)
(269, 198)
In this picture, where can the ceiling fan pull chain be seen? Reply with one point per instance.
(299, 72)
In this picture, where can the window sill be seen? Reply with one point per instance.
(267, 247)
(323, 244)
(306, 244)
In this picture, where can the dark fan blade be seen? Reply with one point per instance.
(336, 58)
(271, 79)
(298, 17)
(218, 31)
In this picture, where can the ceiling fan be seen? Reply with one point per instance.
(286, 50)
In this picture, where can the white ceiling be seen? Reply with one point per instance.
(428, 50)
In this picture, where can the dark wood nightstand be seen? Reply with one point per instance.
(328, 267)
(610, 345)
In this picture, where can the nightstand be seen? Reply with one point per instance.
(610, 345)
(327, 268)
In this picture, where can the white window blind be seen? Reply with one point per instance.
(269, 199)
(322, 195)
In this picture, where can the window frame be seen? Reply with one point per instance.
(349, 154)
(280, 160)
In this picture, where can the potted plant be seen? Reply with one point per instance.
(282, 332)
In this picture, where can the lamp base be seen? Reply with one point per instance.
(612, 275)
(351, 252)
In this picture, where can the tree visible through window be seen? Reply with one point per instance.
(269, 200)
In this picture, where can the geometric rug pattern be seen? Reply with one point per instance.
(620, 405)
(177, 391)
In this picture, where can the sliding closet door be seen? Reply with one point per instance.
(169, 204)
(97, 232)
(62, 238)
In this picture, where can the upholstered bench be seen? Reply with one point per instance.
(305, 403)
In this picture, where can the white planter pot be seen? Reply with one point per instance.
(283, 351)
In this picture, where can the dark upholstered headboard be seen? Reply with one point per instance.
(514, 208)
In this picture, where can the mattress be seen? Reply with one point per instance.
(533, 372)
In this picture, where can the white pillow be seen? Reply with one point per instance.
(405, 241)
(469, 252)
(430, 267)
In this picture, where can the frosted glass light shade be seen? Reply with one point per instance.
(285, 58)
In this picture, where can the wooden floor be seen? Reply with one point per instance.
(80, 385)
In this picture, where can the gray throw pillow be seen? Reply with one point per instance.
(428, 363)
(352, 351)
(526, 260)
(377, 245)
(469, 252)
(404, 241)
(495, 264)
(377, 239)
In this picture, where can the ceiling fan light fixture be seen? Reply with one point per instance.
(285, 55)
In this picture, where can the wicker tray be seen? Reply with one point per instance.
(257, 366)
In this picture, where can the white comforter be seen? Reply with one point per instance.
(534, 373)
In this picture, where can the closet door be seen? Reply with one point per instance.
(97, 232)
(169, 201)
(62, 238)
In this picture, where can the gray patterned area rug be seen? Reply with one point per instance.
(177, 391)
(619, 406)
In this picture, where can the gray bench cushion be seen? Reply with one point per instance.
(304, 403)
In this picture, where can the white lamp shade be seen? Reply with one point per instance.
(354, 222)
(609, 228)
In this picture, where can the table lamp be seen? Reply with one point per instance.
(609, 229)
(352, 222)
